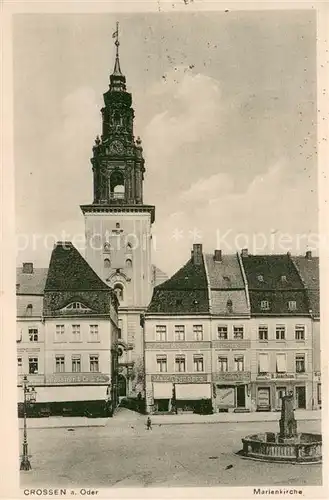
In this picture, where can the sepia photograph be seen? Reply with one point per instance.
(167, 237)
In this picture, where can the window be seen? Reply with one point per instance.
(76, 363)
(94, 363)
(29, 310)
(229, 306)
(107, 263)
(264, 305)
(120, 325)
(284, 279)
(129, 263)
(239, 363)
(198, 363)
(292, 305)
(280, 332)
(180, 363)
(300, 332)
(222, 332)
(161, 363)
(238, 332)
(198, 332)
(281, 363)
(129, 247)
(263, 332)
(222, 364)
(300, 363)
(60, 364)
(59, 333)
(33, 335)
(117, 225)
(20, 364)
(76, 333)
(319, 394)
(260, 278)
(179, 332)
(75, 306)
(161, 333)
(118, 289)
(93, 332)
(263, 366)
(33, 365)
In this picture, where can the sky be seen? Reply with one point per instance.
(225, 105)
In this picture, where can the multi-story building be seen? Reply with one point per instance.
(281, 332)
(308, 268)
(118, 223)
(230, 337)
(259, 317)
(71, 346)
(30, 336)
(177, 333)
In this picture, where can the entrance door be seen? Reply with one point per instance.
(263, 398)
(280, 391)
(241, 396)
(301, 397)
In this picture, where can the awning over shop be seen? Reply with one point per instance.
(193, 391)
(62, 394)
(162, 390)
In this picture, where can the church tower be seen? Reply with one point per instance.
(118, 223)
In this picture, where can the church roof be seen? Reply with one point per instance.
(68, 271)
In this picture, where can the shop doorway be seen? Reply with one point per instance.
(301, 397)
(241, 396)
(263, 399)
(122, 386)
(280, 392)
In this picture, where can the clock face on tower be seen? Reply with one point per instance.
(116, 147)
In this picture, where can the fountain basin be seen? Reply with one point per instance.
(271, 447)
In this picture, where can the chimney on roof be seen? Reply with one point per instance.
(308, 255)
(244, 252)
(197, 254)
(218, 256)
(28, 267)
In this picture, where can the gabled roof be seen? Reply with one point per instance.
(158, 276)
(271, 272)
(185, 292)
(68, 271)
(224, 274)
(309, 272)
(31, 283)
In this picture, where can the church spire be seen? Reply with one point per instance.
(118, 80)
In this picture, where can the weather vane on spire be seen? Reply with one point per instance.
(117, 69)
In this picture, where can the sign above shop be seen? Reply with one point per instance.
(76, 378)
(179, 379)
(231, 376)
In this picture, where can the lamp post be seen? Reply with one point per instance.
(29, 397)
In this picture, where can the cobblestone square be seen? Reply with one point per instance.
(125, 454)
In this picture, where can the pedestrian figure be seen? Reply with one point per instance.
(148, 424)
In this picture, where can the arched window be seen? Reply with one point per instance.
(129, 263)
(118, 288)
(129, 247)
(117, 185)
(107, 263)
(29, 310)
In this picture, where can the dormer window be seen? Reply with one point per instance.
(264, 305)
(227, 280)
(29, 310)
(76, 306)
(284, 279)
(260, 278)
(229, 306)
(292, 305)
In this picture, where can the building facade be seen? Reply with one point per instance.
(260, 321)
(230, 337)
(281, 332)
(177, 334)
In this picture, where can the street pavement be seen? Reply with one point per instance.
(125, 454)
